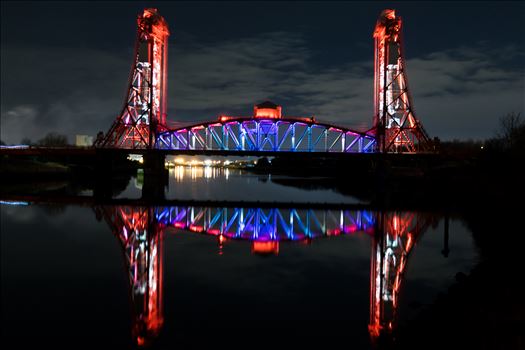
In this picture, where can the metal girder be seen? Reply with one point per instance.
(287, 135)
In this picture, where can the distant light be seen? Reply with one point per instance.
(136, 157)
(15, 146)
(227, 162)
(481, 147)
(179, 161)
(14, 203)
(208, 162)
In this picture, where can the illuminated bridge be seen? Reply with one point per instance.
(141, 231)
(264, 132)
(142, 123)
(142, 127)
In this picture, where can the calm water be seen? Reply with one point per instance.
(210, 183)
(182, 276)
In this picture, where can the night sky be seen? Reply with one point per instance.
(65, 66)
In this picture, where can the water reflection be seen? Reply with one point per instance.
(183, 173)
(141, 231)
(219, 183)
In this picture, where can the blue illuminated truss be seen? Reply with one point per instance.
(277, 135)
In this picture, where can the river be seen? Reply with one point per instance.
(309, 265)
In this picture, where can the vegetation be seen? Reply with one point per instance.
(53, 139)
(511, 135)
(508, 139)
(26, 141)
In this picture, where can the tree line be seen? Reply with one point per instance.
(52, 139)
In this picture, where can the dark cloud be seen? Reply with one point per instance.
(458, 93)
(72, 91)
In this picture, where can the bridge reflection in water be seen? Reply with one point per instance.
(141, 231)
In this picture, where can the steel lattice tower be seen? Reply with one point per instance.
(144, 111)
(397, 128)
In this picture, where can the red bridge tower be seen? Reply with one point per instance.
(144, 111)
(397, 128)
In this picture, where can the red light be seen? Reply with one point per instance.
(267, 113)
(223, 118)
(390, 14)
(350, 229)
(214, 231)
(265, 248)
(306, 241)
(333, 232)
(409, 242)
(267, 110)
(140, 341)
(374, 330)
(196, 228)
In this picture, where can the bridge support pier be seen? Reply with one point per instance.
(103, 169)
(111, 173)
(155, 176)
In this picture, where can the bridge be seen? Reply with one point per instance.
(141, 229)
(142, 122)
(142, 126)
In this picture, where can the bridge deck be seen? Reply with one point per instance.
(90, 151)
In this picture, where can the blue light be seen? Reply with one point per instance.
(14, 203)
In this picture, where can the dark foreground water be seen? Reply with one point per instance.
(184, 276)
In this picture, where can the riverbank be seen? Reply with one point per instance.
(423, 181)
(19, 169)
(483, 309)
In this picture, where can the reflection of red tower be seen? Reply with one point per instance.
(144, 111)
(395, 237)
(397, 128)
(142, 240)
